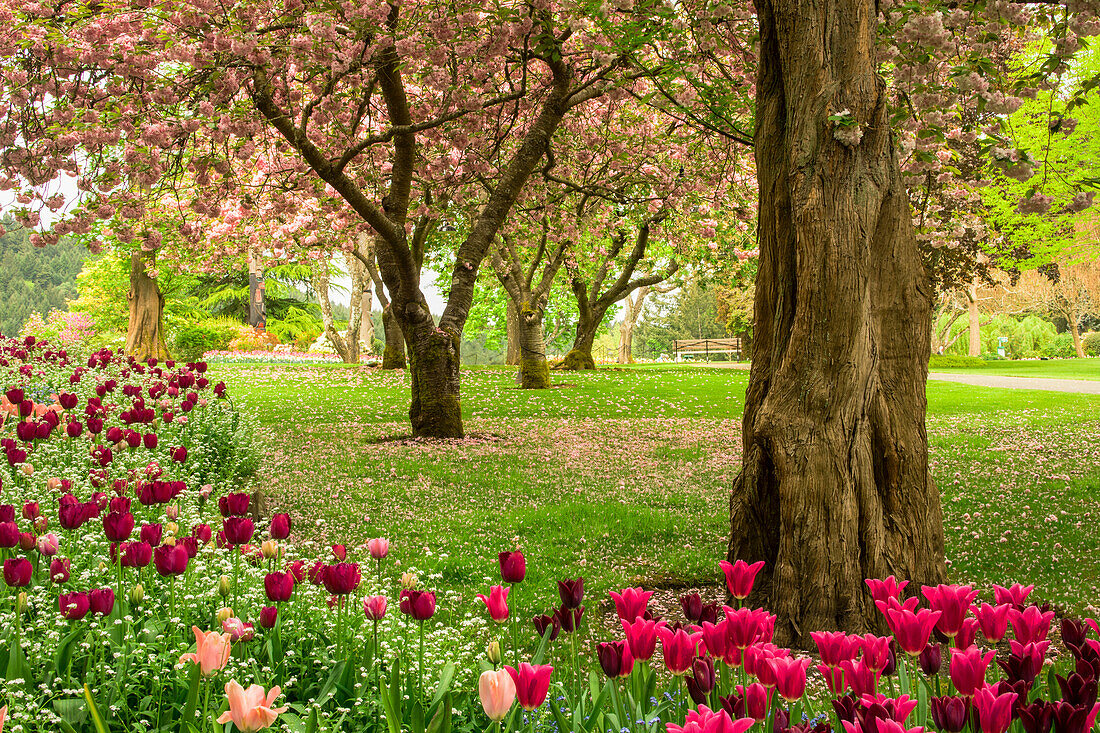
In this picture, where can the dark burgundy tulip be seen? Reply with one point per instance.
(73, 606)
(709, 614)
(71, 516)
(891, 661)
(692, 605)
(219, 389)
(845, 707)
(42, 430)
(297, 569)
(187, 406)
(26, 408)
(343, 578)
(136, 554)
(95, 425)
(280, 526)
(1070, 718)
(74, 429)
(7, 512)
(59, 569)
(279, 587)
(179, 455)
(340, 552)
(949, 713)
(513, 566)
(202, 533)
(9, 534)
(615, 658)
(544, 622)
(238, 530)
(569, 618)
(15, 395)
(102, 455)
(170, 559)
(114, 434)
(268, 616)
(151, 533)
(931, 659)
(234, 505)
(119, 504)
(702, 672)
(571, 592)
(149, 440)
(118, 526)
(190, 544)
(25, 431)
(1037, 717)
(1078, 690)
(31, 511)
(68, 400)
(17, 572)
(101, 601)
(421, 604)
(1074, 632)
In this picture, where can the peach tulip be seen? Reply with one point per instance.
(498, 691)
(211, 651)
(250, 710)
(3, 716)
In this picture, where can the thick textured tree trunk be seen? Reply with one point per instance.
(580, 356)
(145, 329)
(511, 321)
(974, 318)
(393, 356)
(534, 370)
(436, 409)
(835, 486)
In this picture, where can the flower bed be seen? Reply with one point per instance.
(270, 357)
(144, 590)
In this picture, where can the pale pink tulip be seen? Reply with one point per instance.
(498, 691)
(211, 652)
(250, 710)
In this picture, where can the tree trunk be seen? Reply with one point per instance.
(328, 324)
(393, 356)
(257, 306)
(145, 329)
(632, 311)
(366, 323)
(512, 356)
(1076, 331)
(835, 486)
(534, 370)
(580, 356)
(626, 338)
(436, 409)
(975, 326)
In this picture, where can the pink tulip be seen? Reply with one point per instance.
(968, 669)
(48, 544)
(912, 628)
(679, 649)
(834, 647)
(250, 710)
(496, 602)
(374, 607)
(378, 547)
(740, 576)
(790, 676)
(952, 601)
(211, 651)
(993, 620)
(994, 711)
(532, 684)
(238, 630)
(641, 636)
(498, 692)
(705, 720)
(1014, 595)
(881, 590)
(3, 717)
(631, 603)
(1030, 625)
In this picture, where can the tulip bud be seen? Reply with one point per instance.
(224, 586)
(224, 613)
(53, 483)
(28, 469)
(408, 581)
(137, 595)
(21, 602)
(269, 549)
(172, 512)
(41, 523)
(493, 653)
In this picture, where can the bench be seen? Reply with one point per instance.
(706, 347)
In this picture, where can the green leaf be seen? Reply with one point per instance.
(417, 724)
(16, 667)
(65, 651)
(597, 708)
(97, 719)
(329, 688)
(441, 722)
(558, 717)
(446, 678)
(192, 693)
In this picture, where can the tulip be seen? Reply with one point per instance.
(341, 578)
(834, 647)
(59, 570)
(692, 606)
(968, 669)
(714, 639)
(419, 604)
(496, 602)
(374, 607)
(26, 541)
(136, 554)
(513, 566)
(708, 721)
(1015, 595)
(1030, 625)
(701, 680)
(532, 684)
(280, 526)
(279, 586)
(151, 533)
(170, 559)
(268, 616)
(912, 628)
(950, 713)
(9, 534)
(497, 690)
(790, 676)
(250, 710)
(202, 533)
(615, 658)
(860, 677)
(994, 711)
(544, 622)
(493, 653)
(408, 581)
(48, 544)
(101, 601)
(679, 649)
(137, 594)
(17, 572)
(631, 603)
(118, 526)
(571, 592)
(931, 659)
(952, 601)
(211, 651)
(740, 577)
(73, 606)
(269, 549)
(223, 614)
(968, 631)
(340, 552)
(238, 630)
(238, 530)
(31, 510)
(1024, 661)
(179, 455)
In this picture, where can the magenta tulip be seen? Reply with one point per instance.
(279, 587)
(101, 601)
(532, 684)
(679, 649)
(280, 526)
(18, 572)
(341, 578)
(170, 559)
(496, 602)
(740, 577)
(73, 606)
(631, 603)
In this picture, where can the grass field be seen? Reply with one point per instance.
(622, 476)
(1051, 369)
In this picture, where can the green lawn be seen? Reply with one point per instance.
(1050, 369)
(622, 476)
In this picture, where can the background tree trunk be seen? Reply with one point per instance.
(1076, 331)
(974, 318)
(145, 329)
(632, 311)
(580, 356)
(257, 305)
(534, 370)
(835, 486)
(512, 356)
(393, 356)
(320, 286)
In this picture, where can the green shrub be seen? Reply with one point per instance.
(1091, 342)
(1060, 348)
(194, 340)
(955, 362)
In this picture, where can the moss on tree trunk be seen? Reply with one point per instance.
(534, 370)
(436, 409)
(393, 354)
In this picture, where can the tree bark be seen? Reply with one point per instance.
(580, 356)
(631, 313)
(145, 329)
(328, 323)
(511, 316)
(974, 318)
(1074, 329)
(835, 485)
(393, 355)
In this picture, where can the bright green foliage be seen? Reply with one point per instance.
(691, 312)
(34, 279)
(1028, 338)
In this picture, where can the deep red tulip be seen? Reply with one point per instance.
(631, 602)
(569, 618)
(59, 570)
(170, 559)
(740, 577)
(280, 526)
(101, 601)
(136, 554)
(202, 533)
(1024, 661)
(419, 604)
(297, 569)
(342, 578)
(150, 533)
(679, 649)
(513, 566)
(340, 552)
(615, 658)
(268, 616)
(73, 606)
(17, 572)
(702, 679)
(118, 526)
(279, 587)
(179, 455)
(74, 428)
(26, 541)
(238, 530)
(546, 621)
(950, 713)
(931, 659)
(692, 606)
(7, 512)
(532, 684)
(9, 534)
(571, 592)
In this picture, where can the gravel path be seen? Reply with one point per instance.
(1050, 385)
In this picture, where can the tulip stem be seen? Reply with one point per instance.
(515, 631)
(422, 660)
(206, 707)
